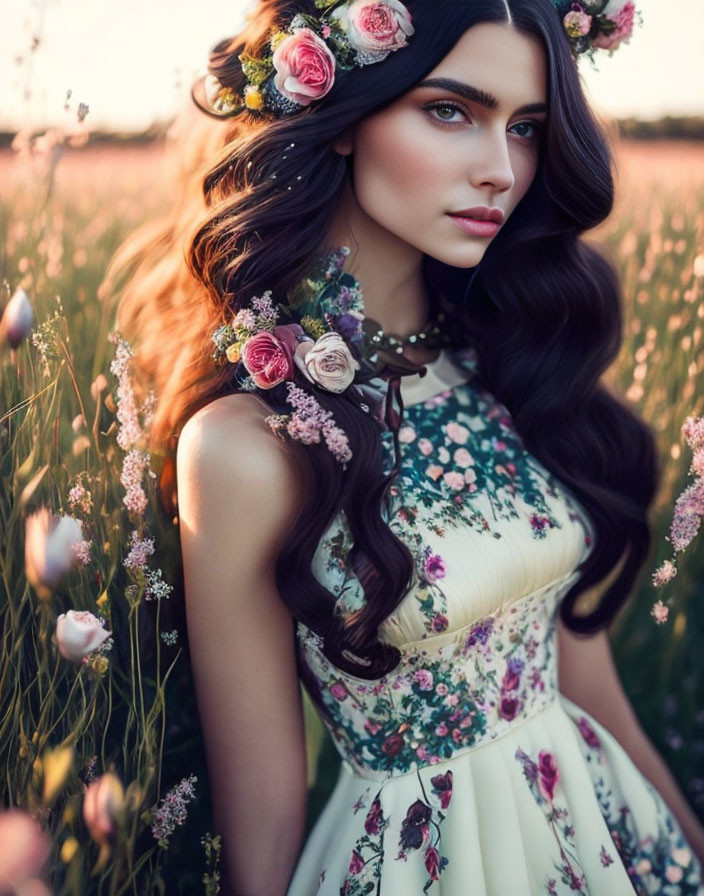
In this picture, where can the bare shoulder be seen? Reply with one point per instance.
(232, 470)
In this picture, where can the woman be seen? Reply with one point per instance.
(431, 530)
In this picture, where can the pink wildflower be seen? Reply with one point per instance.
(80, 499)
(664, 573)
(133, 467)
(689, 509)
(139, 551)
(171, 812)
(660, 612)
(81, 551)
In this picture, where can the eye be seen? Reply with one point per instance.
(533, 132)
(444, 107)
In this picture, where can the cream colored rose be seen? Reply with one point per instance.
(327, 362)
(78, 633)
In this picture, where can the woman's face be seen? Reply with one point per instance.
(447, 148)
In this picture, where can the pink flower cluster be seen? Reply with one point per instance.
(622, 15)
(80, 499)
(304, 65)
(688, 513)
(172, 811)
(130, 434)
(130, 430)
(140, 549)
(133, 468)
(310, 421)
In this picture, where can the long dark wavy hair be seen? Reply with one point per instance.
(543, 310)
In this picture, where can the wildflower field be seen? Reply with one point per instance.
(99, 743)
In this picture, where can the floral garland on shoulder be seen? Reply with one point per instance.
(320, 333)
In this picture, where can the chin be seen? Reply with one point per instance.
(458, 257)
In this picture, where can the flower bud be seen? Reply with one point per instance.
(102, 807)
(17, 319)
(48, 548)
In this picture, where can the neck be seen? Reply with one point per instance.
(389, 269)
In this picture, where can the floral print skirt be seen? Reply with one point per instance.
(552, 806)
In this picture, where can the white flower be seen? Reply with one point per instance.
(328, 362)
(48, 547)
(79, 633)
(17, 319)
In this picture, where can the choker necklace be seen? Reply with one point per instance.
(388, 349)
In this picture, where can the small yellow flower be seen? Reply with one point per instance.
(57, 764)
(102, 601)
(276, 38)
(233, 353)
(68, 849)
(99, 664)
(253, 98)
(313, 326)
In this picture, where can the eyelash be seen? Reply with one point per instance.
(536, 125)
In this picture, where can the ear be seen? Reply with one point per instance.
(344, 143)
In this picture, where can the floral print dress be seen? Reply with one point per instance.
(464, 770)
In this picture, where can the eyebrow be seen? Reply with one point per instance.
(476, 95)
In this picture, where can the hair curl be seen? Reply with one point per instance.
(543, 310)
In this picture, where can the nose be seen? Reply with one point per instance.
(491, 161)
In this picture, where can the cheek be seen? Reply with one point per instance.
(524, 165)
(393, 164)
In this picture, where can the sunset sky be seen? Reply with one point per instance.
(132, 62)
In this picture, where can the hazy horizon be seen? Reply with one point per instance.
(142, 73)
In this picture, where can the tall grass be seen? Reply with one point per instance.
(129, 708)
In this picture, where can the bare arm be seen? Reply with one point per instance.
(238, 495)
(588, 677)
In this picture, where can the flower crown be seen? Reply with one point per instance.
(597, 24)
(303, 59)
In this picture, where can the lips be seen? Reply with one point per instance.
(481, 213)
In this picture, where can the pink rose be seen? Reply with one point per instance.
(434, 471)
(327, 362)
(267, 359)
(508, 707)
(78, 633)
(457, 433)
(305, 67)
(338, 690)
(577, 23)
(435, 568)
(393, 745)
(425, 446)
(622, 14)
(463, 458)
(406, 435)
(424, 679)
(454, 480)
(375, 26)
